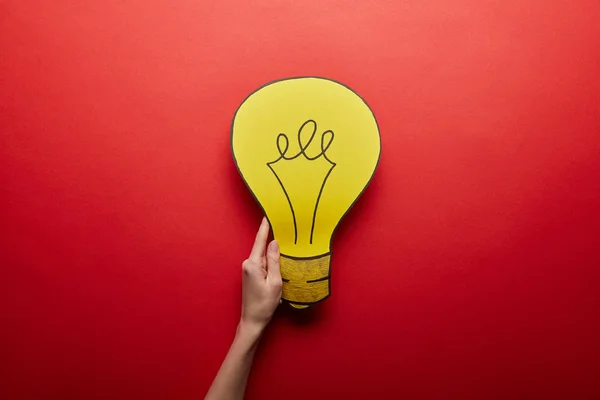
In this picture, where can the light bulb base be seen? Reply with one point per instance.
(305, 280)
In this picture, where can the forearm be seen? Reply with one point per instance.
(230, 382)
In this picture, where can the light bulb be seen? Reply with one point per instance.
(307, 148)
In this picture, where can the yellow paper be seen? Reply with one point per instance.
(306, 148)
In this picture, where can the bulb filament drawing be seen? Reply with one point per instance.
(314, 171)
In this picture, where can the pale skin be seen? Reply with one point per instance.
(261, 294)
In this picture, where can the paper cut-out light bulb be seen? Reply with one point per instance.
(306, 148)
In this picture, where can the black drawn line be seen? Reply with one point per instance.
(312, 227)
(288, 200)
(307, 258)
(303, 147)
(318, 280)
(323, 151)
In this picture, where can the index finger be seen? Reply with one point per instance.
(260, 243)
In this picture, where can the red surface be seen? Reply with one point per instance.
(469, 269)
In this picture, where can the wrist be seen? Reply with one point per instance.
(249, 331)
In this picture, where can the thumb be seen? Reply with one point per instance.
(273, 268)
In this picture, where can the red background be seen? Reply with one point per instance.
(469, 269)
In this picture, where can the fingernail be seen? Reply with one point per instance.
(274, 246)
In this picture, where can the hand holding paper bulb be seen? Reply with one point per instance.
(307, 148)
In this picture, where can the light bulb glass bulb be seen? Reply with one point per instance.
(307, 148)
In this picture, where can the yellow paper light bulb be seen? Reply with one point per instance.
(306, 148)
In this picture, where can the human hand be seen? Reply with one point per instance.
(261, 282)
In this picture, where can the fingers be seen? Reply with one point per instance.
(273, 269)
(258, 250)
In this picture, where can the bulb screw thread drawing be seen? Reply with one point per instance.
(305, 280)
